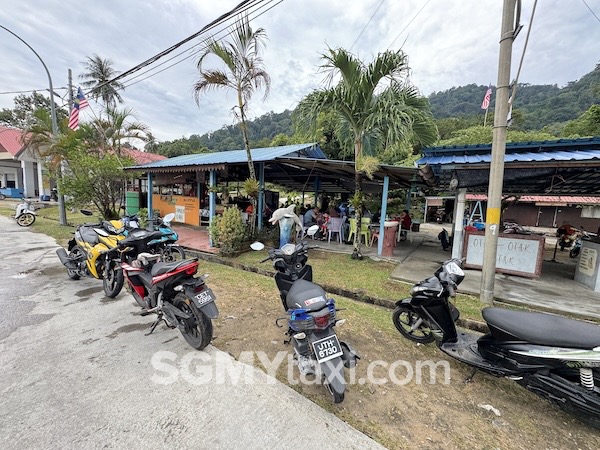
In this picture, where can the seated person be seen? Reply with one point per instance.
(405, 224)
(310, 216)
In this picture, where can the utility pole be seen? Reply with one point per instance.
(507, 36)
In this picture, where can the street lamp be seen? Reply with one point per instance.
(61, 197)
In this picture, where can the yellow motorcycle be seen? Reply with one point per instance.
(94, 251)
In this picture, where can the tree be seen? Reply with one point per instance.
(21, 116)
(378, 107)
(244, 73)
(588, 124)
(97, 78)
(115, 126)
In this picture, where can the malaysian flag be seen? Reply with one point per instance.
(80, 102)
(486, 99)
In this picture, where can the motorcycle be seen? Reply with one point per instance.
(567, 235)
(555, 357)
(311, 317)
(165, 244)
(24, 213)
(576, 249)
(168, 289)
(93, 251)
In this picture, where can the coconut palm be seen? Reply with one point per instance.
(97, 78)
(243, 73)
(116, 126)
(377, 106)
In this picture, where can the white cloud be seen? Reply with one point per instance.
(449, 43)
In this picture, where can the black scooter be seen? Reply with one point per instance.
(311, 317)
(553, 356)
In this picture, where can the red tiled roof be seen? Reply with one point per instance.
(141, 157)
(545, 199)
(10, 140)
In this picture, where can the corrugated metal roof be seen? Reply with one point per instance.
(10, 140)
(311, 150)
(513, 157)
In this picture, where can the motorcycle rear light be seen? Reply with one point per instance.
(322, 321)
(199, 287)
(191, 270)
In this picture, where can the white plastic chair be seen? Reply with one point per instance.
(336, 225)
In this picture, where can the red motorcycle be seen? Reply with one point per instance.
(567, 235)
(168, 289)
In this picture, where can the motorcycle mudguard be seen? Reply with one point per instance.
(333, 369)
(208, 308)
(405, 302)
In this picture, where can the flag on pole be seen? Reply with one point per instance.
(79, 102)
(486, 99)
(82, 100)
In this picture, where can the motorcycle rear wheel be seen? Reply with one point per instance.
(113, 281)
(172, 253)
(198, 330)
(404, 318)
(574, 253)
(75, 253)
(26, 219)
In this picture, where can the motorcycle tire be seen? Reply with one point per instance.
(26, 219)
(172, 253)
(338, 397)
(2, 196)
(574, 253)
(113, 281)
(404, 318)
(75, 253)
(198, 329)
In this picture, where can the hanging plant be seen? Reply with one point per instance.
(251, 187)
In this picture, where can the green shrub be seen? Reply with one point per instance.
(143, 217)
(230, 231)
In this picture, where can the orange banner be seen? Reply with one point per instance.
(186, 209)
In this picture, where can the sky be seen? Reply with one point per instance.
(449, 43)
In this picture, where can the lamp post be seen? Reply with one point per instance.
(61, 197)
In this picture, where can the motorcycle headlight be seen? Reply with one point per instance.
(288, 249)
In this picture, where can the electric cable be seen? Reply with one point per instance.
(366, 25)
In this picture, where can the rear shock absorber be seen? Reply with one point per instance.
(586, 376)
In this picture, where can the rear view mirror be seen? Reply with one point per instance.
(257, 246)
(169, 218)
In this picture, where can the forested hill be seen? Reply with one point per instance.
(537, 105)
(541, 105)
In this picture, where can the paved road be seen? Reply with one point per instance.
(76, 371)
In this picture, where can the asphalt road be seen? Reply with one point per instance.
(77, 371)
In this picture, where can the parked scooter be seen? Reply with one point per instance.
(576, 249)
(24, 213)
(311, 317)
(93, 251)
(552, 356)
(168, 289)
(567, 235)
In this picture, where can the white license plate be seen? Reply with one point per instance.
(204, 297)
(327, 348)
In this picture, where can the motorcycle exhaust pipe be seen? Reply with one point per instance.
(65, 260)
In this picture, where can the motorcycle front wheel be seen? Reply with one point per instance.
(198, 329)
(405, 319)
(78, 254)
(574, 253)
(26, 219)
(172, 253)
(113, 281)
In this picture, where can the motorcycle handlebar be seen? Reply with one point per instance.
(266, 259)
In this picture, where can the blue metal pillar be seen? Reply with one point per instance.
(212, 200)
(384, 199)
(261, 195)
(150, 215)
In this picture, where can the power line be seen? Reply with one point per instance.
(31, 90)
(408, 24)
(367, 24)
(593, 13)
(195, 45)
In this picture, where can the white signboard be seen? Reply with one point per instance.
(518, 255)
(587, 261)
(180, 214)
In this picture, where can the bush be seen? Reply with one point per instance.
(229, 231)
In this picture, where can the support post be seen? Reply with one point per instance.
(458, 233)
(261, 195)
(507, 35)
(384, 199)
(212, 201)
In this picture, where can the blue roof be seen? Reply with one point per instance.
(311, 150)
(584, 149)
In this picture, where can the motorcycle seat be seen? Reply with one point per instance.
(164, 267)
(89, 235)
(541, 328)
(306, 295)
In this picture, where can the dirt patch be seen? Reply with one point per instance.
(428, 414)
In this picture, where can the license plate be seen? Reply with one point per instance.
(204, 297)
(327, 348)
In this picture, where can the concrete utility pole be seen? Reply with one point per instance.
(507, 36)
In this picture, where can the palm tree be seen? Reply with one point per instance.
(114, 126)
(97, 78)
(243, 73)
(377, 106)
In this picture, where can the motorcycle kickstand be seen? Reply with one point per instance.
(154, 325)
(471, 375)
